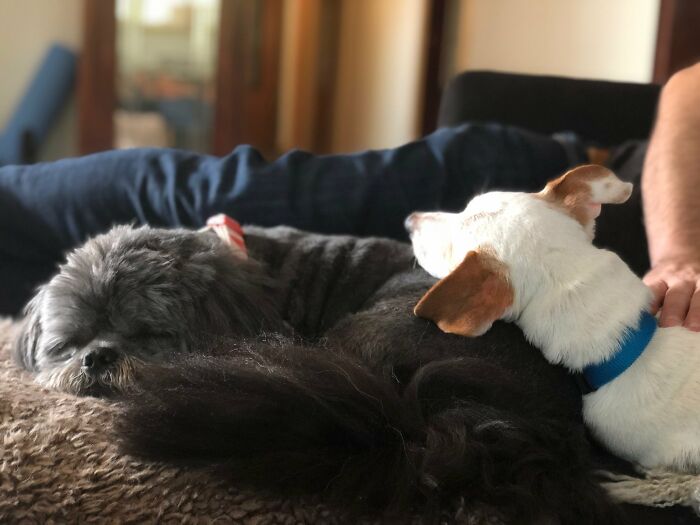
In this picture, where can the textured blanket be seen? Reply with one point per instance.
(59, 465)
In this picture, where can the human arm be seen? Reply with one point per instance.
(671, 197)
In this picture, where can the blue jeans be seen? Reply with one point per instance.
(47, 209)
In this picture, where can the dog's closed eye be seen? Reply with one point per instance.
(57, 348)
(58, 351)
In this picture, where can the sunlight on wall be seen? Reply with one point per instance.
(380, 68)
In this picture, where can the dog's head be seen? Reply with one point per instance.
(135, 296)
(491, 256)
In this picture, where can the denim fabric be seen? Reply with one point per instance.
(47, 209)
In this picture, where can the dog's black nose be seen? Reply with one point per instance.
(99, 358)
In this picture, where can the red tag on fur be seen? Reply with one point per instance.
(230, 231)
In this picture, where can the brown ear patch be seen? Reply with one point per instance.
(572, 191)
(469, 299)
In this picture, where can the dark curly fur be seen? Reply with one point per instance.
(306, 372)
(297, 420)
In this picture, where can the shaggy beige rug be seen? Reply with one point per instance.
(58, 465)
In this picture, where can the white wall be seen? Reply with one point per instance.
(27, 29)
(605, 39)
(380, 68)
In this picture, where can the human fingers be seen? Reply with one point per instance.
(658, 288)
(692, 320)
(676, 303)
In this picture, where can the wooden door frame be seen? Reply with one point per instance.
(677, 44)
(96, 77)
(432, 86)
(247, 75)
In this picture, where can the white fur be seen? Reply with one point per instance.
(574, 301)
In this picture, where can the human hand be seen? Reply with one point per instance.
(675, 283)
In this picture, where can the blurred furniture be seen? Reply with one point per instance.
(247, 70)
(38, 109)
(606, 113)
(132, 129)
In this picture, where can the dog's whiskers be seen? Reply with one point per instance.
(124, 375)
(74, 380)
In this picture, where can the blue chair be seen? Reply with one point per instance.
(41, 104)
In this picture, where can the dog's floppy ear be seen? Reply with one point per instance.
(469, 299)
(582, 190)
(27, 340)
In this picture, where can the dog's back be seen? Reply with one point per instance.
(322, 278)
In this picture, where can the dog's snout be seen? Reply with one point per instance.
(411, 222)
(99, 358)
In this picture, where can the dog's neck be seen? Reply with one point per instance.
(580, 304)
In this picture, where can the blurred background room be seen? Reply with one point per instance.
(322, 75)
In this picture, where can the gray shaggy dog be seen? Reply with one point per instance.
(303, 370)
(134, 296)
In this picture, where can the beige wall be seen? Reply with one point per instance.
(27, 28)
(607, 39)
(380, 66)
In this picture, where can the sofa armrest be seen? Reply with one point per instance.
(607, 113)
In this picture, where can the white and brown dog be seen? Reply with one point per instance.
(528, 258)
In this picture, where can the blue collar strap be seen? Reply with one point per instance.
(632, 345)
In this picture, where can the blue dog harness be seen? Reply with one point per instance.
(631, 347)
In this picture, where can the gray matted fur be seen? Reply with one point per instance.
(143, 295)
